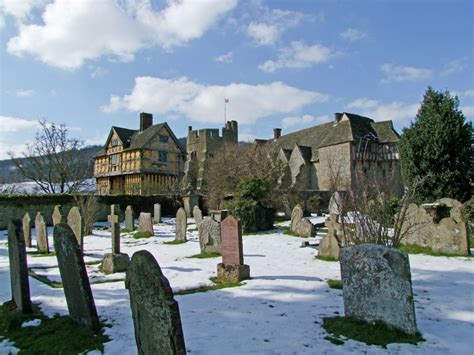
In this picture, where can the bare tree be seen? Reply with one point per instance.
(52, 160)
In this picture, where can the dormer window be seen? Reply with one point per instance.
(114, 142)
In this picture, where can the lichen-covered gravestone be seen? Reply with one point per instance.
(129, 220)
(181, 225)
(20, 286)
(232, 268)
(157, 213)
(74, 220)
(300, 225)
(27, 229)
(377, 286)
(145, 223)
(329, 247)
(155, 312)
(115, 261)
(296, 217)
(209, 236)
(41, 234)
(57, 215)
(197, 214)
(77, 289)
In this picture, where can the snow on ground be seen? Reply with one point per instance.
(278, 311)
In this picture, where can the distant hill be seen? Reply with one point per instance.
(8, 173)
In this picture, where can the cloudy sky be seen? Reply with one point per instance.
(92, 64)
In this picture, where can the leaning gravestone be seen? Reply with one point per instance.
(41, 234)
(27, 229)
(197, 214)
(129, 220)
(77, 289)
(74, 220)
(57, 215)
(145, 223)
(232, 268)
(181, 225)
(377, 286)
(157, 213)
(155, 312)
(20, 286)
(209, 236)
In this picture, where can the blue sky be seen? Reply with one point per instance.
(92, 64)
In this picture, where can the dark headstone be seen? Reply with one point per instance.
(155, 312)
(18, 267)
(115, 231)
(377, 286)
(77, 289)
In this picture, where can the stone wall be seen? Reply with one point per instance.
(334, 160)
(16, 206)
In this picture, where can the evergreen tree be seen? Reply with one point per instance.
(437, 147)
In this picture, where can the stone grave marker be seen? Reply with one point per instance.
(20, 286)
(115, 209)
(232, 268)
(181, 225)
(42, 242)
(197, 214)
(296, 217)
(129, 219)
(329, 247)
(74, 220)
(209, 236)
(115, 261)
(157, 213)
(376, 285)
(57, 215)
(145, 223)
(300, 225)
(155, 312)
(27, 229)
(77, 289)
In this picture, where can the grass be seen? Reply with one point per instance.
(292, 234)
(38, 254)
(325, 258)
(322, 229)
(175, 242)
(125, 230)
(218, 284)
(52, 336)
(336, 284)
(139, 235)
(280, 219)
(212, 254)
(417, 249)
(371, 334)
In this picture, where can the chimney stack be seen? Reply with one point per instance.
(276, 133)
(146, 120)
(337, 117)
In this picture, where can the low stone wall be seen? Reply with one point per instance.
(15, 206)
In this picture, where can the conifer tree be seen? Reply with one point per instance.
(438, 148)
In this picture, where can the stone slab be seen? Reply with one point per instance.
(231, 239)
(112, 263)
(232, 272)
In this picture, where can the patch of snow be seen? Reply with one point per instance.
(31, 323)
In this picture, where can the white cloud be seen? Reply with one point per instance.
(399, 73)
(468, 111)
(97, 72)
(468, 93)
(204, 103)
(304, 121)
(20, 10)
(225, 58)
(14, 124)
(397, 111)
(24, 93)
(454, 66)
(353, 34)
(69, 36)
(263, 34)
(298, 55)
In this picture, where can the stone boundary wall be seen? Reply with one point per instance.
(15, 206)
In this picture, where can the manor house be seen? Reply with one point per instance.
(334, 152)
(139, 162)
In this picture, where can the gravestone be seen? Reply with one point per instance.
(77, 289)
(115, 261)
(57, 215)
(296, 217)
(219, 215)
(335, 203)
(74, 220)
(27, 229)
(232, 268)
(329, 247)
(20, 286)
(181, 225)
(129, 220)
(197, 214)
(377, 286)
(155, 312)
(42, 242)
(157, 213)
(145, 223)
(115, 210)
(209, 236)
(300, 225)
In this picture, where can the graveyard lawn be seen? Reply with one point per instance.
(288, 291)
